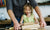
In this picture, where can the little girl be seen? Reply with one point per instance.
(28, 17)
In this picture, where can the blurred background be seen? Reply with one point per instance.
(5, 20)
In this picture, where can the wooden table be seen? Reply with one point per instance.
(45, 28)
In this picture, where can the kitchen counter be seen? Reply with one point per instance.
(45, 28)
(5, 21)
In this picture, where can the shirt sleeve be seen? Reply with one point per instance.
(9, 4)
(33, 3)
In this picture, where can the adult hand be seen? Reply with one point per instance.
(42, 23)
(16, 26)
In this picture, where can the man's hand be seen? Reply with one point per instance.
(42, 23)
(16, 26)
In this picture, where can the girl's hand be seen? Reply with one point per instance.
(36, 22)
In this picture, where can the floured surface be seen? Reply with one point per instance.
(45, 28)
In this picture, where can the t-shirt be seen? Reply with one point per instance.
(17, 6)
(28, 19)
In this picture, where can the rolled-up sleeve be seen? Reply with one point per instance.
(9, 4)
(33, 3)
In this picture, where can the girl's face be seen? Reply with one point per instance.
(27, 10)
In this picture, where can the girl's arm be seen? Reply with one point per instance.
(36, 20)
(21, 20)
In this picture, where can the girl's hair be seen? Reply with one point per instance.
(28, 5)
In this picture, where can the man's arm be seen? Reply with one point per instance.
(35, 6)
(42, 22)
(9, 5)
(39, 12)
(11, 14)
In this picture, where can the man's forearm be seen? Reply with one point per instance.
(39, 13)
(11, 14)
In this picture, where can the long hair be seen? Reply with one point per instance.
(28, 5)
